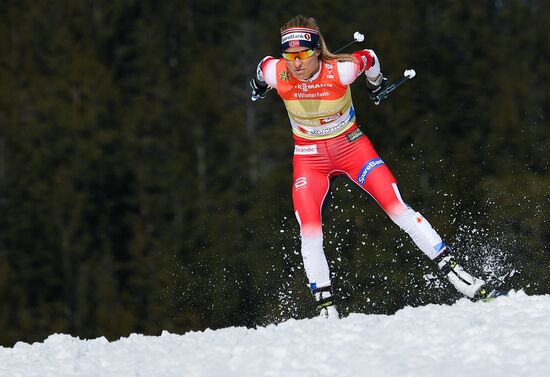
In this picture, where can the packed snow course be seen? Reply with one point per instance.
(509, 336)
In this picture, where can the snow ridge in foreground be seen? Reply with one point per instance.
(507, 337)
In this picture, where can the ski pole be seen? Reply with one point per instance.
(407, 75)
(357, 37)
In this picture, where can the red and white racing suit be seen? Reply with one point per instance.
(328, 143)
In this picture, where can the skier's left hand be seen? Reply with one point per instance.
(375, 88)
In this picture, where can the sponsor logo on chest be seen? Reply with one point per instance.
(305, 87)
(331, 118)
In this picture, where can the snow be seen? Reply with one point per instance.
(509, 336)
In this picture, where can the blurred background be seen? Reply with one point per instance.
(141, 190)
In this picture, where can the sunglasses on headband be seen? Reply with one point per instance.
(303, 55)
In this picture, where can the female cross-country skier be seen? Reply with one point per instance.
(315, 87)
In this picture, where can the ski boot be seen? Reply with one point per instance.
(463, 282)
(325, 302)
(487, 295)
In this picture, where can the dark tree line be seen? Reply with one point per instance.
(141, 190)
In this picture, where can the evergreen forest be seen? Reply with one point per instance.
(142, 190)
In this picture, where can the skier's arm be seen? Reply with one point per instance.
(264, 78)
(367, 62)
(376, 82)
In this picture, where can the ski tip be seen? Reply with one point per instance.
(410, 73)
(358, 36)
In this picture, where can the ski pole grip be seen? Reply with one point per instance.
(409, 73)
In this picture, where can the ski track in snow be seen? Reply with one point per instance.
(507, 337)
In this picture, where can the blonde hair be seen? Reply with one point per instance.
(324, 53)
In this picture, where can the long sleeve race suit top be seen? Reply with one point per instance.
(320, 107)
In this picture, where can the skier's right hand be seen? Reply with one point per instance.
(258, 84)
(259, 88)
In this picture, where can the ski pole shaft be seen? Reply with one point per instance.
(407, 75)
(357, 37)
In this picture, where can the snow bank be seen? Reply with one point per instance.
(507, 337)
